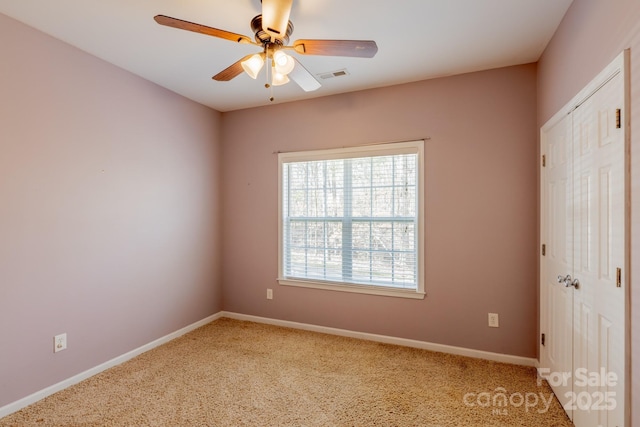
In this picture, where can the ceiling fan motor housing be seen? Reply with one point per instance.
(263, 37)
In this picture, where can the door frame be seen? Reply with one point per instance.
(620, 65)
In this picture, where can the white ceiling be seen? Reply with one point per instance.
(417, 40)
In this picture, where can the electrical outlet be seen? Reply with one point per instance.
(59, 342)
(493, 320)
(269, 293)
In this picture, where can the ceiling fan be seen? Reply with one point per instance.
(272, 29)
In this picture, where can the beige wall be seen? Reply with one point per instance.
(109, 211)
(480, 207)
(591, 35)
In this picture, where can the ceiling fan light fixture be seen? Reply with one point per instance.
(278, 79)
(253, 65)
(272, 29)
(283, 63)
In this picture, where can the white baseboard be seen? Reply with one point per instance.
(461, 351)
(39, 395)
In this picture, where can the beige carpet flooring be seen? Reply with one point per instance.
(233, 373)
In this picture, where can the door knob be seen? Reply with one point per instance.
(575, 283)
(568, 282)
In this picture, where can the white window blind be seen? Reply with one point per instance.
(352, 217)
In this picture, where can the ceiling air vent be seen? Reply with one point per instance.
(332, 74)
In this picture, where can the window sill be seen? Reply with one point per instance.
(360, 289)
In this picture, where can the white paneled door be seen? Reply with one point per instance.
(556, 298)
(584, 265)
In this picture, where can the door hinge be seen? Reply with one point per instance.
(542, 338)
(544, 161)
(544, 249)
(619, 277)
(618, 118)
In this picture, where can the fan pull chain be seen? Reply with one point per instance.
(267, 84)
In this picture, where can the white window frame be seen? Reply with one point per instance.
(410, 147)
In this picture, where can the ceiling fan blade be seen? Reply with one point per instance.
(354, 48)
(232, 71)
(202, 29)
(275, 17)
(303, 77)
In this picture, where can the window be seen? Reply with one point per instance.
(352, 219)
